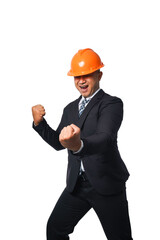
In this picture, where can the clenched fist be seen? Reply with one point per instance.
(70, 137)
(38, 112)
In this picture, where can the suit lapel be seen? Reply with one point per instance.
(75, 111)
(80, 120)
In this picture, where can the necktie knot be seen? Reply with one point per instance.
(85, 100)
(83, 105)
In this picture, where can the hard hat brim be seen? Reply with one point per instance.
(71, 73)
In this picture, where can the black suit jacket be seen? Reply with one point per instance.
(99, 124)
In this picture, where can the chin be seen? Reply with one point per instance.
(85, 95)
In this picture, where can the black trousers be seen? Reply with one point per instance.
(111, 210)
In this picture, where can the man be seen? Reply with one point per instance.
(96, 174)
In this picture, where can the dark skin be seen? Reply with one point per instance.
(88, 84)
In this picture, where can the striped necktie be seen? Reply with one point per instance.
(82, 106)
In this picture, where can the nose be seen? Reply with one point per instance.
(81, 79)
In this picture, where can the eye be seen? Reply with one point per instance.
(77, 78)
(88, 75)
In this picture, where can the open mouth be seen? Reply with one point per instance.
(84, 87)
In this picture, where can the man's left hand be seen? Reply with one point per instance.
(70, 137)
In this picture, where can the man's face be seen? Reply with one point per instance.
(88, 84)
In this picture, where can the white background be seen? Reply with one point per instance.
(37, 41)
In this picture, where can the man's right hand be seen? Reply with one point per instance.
(38, 112)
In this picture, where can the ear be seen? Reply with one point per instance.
(100, 75)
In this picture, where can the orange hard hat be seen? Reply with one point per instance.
(85, 61)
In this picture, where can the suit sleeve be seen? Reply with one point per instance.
(48, 134)
(109, 121)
